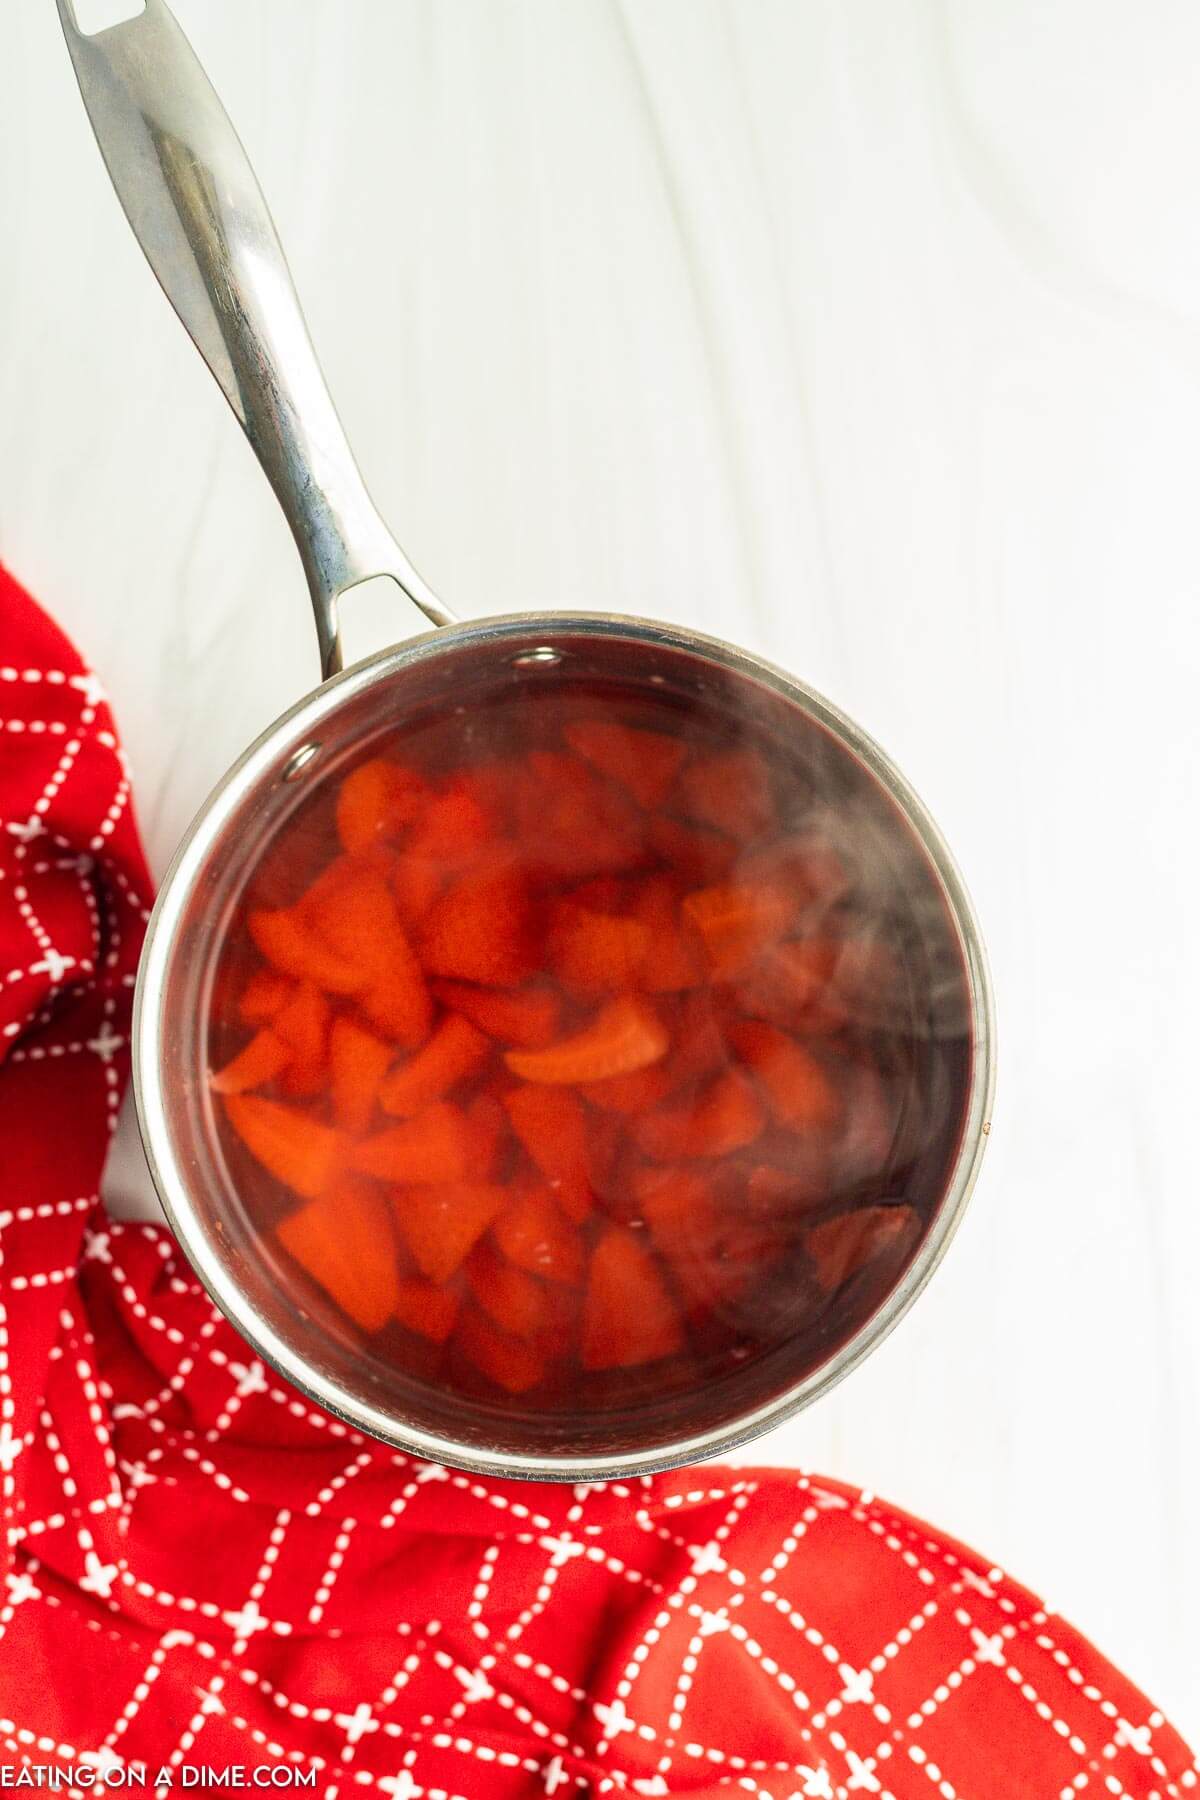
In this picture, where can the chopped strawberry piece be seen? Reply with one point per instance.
(695, 853)
(298, 1150)
(511, 1297)
(436, 1146)
(630, 1094)
(506, 1361)
(303, 1025)
(351, 908)
(524, 1017)
(573, 823)
(713, 1251)
(729, 791)
(327, 884)
(828, 878)
(806, 967)
(290, 946)
(793, 987)
(603, 893)
(398, 1000)
(781, 1194)
(628, 1314)
(735, 1263)
(441, 1223)
(840, 1247)
(455, 828)
(376, 801)
(559, 1331)
(491, 784)
(480, 930)
(805, 864)
(676, 960)
(416, 883)
(868, 981)
(256, 1063)
(874, 1113)
(723, 1117)
(593, 952)
(626, 1034)
(356, 915)
(303, 1080)
(798, 1089)
(700, 1050)
(678, 1206)
(289, 861)
(344, 1240)
(355, 911)
(645, 763)
(615, 1198)
(263, 996)
(821, 983)
(551, 1126)
(606, 1143)
(358, 1062)
(530, 1232)
(487, 1129)
(455, 1051)
(427, 1309)
(738, 923)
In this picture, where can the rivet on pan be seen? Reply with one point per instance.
(542, 657)
(299, 761)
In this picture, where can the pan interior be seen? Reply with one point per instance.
(459, 684)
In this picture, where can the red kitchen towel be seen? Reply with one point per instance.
(203, 1572)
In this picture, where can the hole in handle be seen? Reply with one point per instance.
(373, 615)
(92, 16)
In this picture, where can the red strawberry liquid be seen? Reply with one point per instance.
(572, 1053)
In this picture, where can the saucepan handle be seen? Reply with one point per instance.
(199, 214)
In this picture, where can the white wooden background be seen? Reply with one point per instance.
(862, 331)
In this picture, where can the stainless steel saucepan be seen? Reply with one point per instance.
(196, 208)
